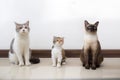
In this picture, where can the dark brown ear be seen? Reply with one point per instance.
(96, 24)
(86, 23)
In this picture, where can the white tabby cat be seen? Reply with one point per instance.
(19, 49)
(58, 53)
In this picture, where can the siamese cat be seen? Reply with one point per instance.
(19, 52)
(91, 53)
(57, 52)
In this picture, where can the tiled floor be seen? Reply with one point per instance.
(71, 70)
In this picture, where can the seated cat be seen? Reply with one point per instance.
(91, 54)
(19, 52)
(57, 52)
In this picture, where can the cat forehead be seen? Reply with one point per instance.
(58, 38)
(91, 25)
(22, 25)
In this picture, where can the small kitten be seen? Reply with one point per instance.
(19, 49)
(91, 54)
(57, 52)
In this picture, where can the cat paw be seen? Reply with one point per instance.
(87, 67)
(93, 67)
(64, 63)
(21, 64)
(16, 63)
(97, 66)
(28, 64)
(83, 65)
(58, 65)
(54, 65)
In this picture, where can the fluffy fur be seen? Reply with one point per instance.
(91, 54)
(19, 49)
(58, 53)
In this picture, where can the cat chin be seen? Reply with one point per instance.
(24, 33)
(57, 44)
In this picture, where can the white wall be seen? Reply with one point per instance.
(65, 18)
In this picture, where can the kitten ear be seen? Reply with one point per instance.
(86, 23)
(96, 24)
(63, 38)
(16, 23)
(54, 39)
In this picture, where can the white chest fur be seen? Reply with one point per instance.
(56, 51)
(90, 40)
(21, 43)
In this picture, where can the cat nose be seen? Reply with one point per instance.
(23, 30)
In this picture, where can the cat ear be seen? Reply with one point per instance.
(17, 24)
(86, 23)
(54, 39)
(27, 23)
(96, 24)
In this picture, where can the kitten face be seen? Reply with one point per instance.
(58, 41)
(22, 28)
(91, 27)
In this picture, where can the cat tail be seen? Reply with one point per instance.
(34, 60)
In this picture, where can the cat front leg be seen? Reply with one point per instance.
(27, 57)
(86, 57)
(94, 60)
(59, 61)
(20, 58)
(54, 61)
(99, 60)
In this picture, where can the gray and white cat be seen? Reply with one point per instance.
(57, 52)
(19, 48)
(91, 54)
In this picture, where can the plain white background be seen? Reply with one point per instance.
(64, 18)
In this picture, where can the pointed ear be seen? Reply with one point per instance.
(96, 24)
(86, 23)
(16, 23)
(54, 38)
(27, 22)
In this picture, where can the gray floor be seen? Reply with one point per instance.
(71, 70)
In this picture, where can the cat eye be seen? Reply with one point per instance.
(25, 27)
(61, 40)
(20, 27)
